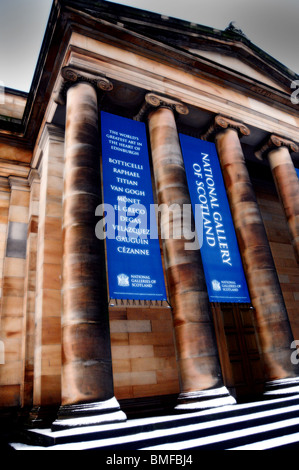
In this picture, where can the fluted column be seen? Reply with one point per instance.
(286, 180)
(199, 368)
(87, 382)
(271, 317)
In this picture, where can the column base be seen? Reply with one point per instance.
(281, 388)
(41, 416)
(204, 399)
(88, 414)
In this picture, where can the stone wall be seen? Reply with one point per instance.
(143, 354)
(14, 225)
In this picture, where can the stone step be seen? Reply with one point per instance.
(268, 423)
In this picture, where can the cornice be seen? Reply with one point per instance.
(17, 183)
(4, 185)
(169, 54)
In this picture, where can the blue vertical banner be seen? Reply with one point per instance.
(133, 251)
(220, 252)
(297, 171)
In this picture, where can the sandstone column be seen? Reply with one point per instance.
(199, 368)
(286, 180)
(271, 316)
(87, 382)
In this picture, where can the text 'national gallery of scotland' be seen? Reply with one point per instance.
(149, 222)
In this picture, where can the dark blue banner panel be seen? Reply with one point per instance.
(133, 251)
(220, 252)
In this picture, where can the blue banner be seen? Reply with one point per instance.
(297, 171)
(133, 251)
(220, 252)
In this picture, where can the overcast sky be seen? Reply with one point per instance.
(273, 25)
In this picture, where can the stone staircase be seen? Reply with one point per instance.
(271, 424)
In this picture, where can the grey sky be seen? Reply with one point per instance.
(273, 25)
(22, 26)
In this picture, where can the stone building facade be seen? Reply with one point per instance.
(71, 354)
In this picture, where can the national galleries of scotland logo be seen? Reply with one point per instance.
(123, 280)
(216, 285)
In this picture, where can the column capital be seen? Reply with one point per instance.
(274, 142)
(222, 123)
(72, 76)
(154, 101)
